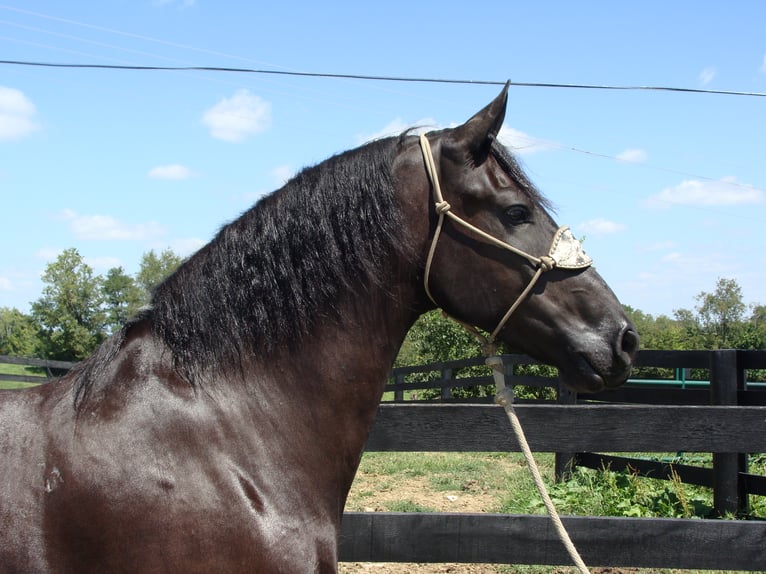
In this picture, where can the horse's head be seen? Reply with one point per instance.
(498, 260)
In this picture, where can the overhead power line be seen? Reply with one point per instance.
(376, 77)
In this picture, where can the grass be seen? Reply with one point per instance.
(607, 493)
(412, 478)
(505, 479)
(431, 482)
(6, 369)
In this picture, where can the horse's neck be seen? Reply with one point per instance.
(354, 353)
(318, 402)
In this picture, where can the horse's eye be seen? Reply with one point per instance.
(517, 214)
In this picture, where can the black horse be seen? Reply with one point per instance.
(220, 429)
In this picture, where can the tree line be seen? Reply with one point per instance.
(79, 309)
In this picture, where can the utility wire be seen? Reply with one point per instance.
(376, 78)
(401, 79)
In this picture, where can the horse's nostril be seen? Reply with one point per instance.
(630, 342)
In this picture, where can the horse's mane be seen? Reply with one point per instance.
(267, 277)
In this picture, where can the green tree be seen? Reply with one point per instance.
(660, 332)
(69, 312)
(752, 335)
(122, 297)
(668, 334)
(154, 270)
(691, 333)
(758, 315)
(437, 338)
(721, 313)
(18, 334)
(434, 339)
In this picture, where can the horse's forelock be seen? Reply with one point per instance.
(511, 166)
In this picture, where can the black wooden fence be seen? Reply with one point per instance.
(726, 416)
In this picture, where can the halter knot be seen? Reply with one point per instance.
(547, 263)
(442, 207)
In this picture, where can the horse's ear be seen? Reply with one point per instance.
(479, 131)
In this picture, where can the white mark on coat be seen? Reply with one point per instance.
(54, 480)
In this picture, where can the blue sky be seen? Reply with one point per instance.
(668, 189)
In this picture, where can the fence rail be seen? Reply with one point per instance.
(603, 541)
(47, 366)
(727, 417)
(724, 415)
(523, 539)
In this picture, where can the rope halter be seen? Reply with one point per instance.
(565, 251)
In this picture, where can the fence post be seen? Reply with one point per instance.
(399, 394)
(446, 375)
(565, 462)
(743, 493)
(724, 378)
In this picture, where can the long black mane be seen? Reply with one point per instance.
(266, 277)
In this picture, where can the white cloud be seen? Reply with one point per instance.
(186, 246)
(396, 127)
(705, 264)
(107, 228)
(282, 173)
(238, 117)
(17, 115)
(5, 284)
(522, 143)
(517, 141)
(674, 256)
(707, 75)
(726, 191)
(632, 156)
(47, 253)
(600, 226)
(173, 171)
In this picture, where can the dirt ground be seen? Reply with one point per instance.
(355, 568)
(384, 568)
(470, 498)
(417, 491)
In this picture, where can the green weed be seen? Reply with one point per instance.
(406, 506)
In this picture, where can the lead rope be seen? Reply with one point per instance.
(504, 398)
(503, 395)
